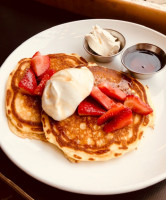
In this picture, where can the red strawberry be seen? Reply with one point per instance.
(40, 63)
(110, 113)
(137, 105)
(45, 77)
(116, 93)
(103, 99)
(36, 54)
(122, 119)
(28, 82)
(50, 72)
(90, 107)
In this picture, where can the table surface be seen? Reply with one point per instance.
(19, 21)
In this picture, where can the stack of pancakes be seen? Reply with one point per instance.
(79, 137)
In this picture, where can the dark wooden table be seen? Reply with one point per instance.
(19, 20)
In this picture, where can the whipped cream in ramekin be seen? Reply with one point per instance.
(102, 42)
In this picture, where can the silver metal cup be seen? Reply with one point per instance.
(149, 47)
(106, 59)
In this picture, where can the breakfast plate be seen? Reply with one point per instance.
(135, 170)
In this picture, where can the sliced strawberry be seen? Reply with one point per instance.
(36, 54)
(39, 89)
(28, 83)
(50, 72)
(103, 99)
(137, 105)
(115, 93)
(45, 77)
(110, 113)
(122, 119)
(40, 63)
(90, 107)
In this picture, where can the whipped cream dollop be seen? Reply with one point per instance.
(65, 90)
(102, 42)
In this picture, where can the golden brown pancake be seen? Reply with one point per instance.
(24, 111)
(81, 139)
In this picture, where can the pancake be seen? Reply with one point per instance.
(81, 139)
(23, 111)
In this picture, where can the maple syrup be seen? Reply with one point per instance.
(143, 61)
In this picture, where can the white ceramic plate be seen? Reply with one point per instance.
(133, 171)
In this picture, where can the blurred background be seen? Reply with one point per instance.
(22, 19)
